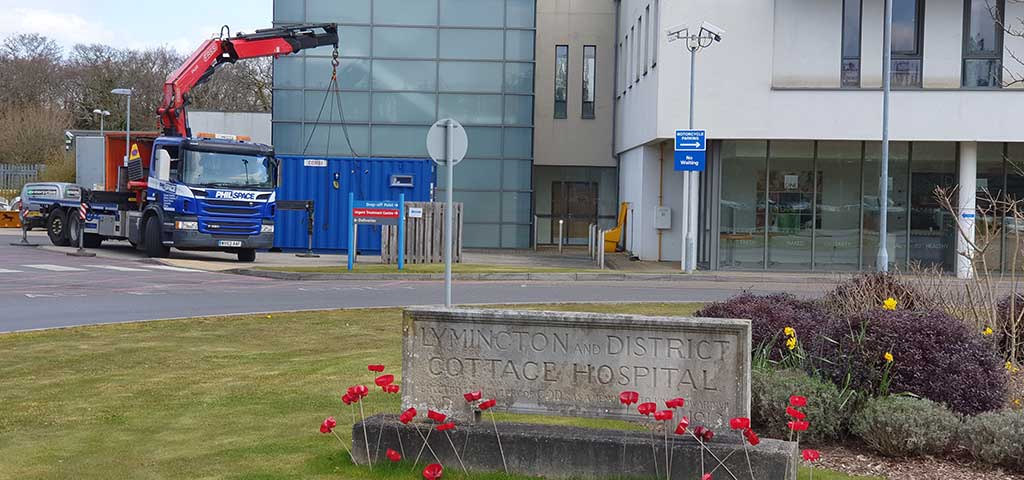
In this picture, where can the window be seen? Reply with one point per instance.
(983, 43)
(907, 23)
(647, 38)
(637, 50)
(589, 65)
(561, 80)
(850, 73)
(655, 40)
(629, 66)
(618, 73)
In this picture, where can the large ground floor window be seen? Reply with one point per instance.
(814, 205)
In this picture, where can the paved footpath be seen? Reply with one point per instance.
(43, 288)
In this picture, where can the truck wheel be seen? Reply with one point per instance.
(93, 240)
(73, 223)
(57, 228)
(154, 246)
(247, 255)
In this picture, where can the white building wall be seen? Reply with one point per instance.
(796, 61)
(638, 105)
(255, 125)
(943, 44)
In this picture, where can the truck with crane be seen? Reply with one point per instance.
(209, 192)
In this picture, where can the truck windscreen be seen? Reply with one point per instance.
(215, 169)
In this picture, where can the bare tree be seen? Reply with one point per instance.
(31, 72)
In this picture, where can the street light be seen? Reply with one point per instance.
(882, 261)
(695, 41)
(128, 123)
(101, 113)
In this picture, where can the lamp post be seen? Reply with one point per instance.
(695, 41)
(102, 114)
(882, 261)
(128, 122)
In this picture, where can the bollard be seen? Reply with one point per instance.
(600, 250)
(590, 240)
(560, 223)
(355, 243)
(24, 230)
(82, 208)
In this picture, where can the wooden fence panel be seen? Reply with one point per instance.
(424, 236)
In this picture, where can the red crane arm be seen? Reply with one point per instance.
(270, 42)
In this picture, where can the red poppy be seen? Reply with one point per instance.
(699, 431)
(384, 380)
(752, 437)
(375, 368)
(487, 405)
(347, 399)
(683, 423)
(393, 455)
(647, 408)
(798, 401)
(675, 403)
(708, 435)
(331, 422)
(433, 471)
(436, 416)
(362, 391)
(706, 476)
(407, 416)
(799, 425)
(663, 415)
(324, 428)
(391, 388)
(739, 423)
(446, 426)
(473, 396)
(629, 398)
(812, 455)
(797, 414)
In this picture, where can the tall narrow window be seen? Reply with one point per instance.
(983, 43)
(589, 79)
(647, 38)
(639, 47)
(907, 34)
(851, 43)
(629, 60)
(561, 80)
(655, 40)
(618, 75)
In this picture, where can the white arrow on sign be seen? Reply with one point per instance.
(694, 145)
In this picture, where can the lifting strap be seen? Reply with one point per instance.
(335, 89)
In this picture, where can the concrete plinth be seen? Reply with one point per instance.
(564, 452)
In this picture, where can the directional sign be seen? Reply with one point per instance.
(437, 142)
(375, 212)
(690, 150)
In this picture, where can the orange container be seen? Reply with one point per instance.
(114, 155)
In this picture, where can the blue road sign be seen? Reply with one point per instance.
(690, 150)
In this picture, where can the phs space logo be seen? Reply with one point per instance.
(236, 195)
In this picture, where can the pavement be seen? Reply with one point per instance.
(41, 287)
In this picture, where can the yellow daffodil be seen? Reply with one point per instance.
(888, 357)
(789, 331)
(889, 304)
(987, 331)
(1016, 402)
(791, 343)
(1010, 367)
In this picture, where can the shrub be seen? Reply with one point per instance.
(996, 437)
(1009, 320)
(935, 357)
(827, 408)
(900, 426)
(869, 290)
(769, 315)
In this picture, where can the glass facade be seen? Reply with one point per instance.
(803, 205)
(403, 66)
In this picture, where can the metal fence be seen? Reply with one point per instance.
(424, 235)
(14, 176)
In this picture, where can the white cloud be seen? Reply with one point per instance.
(66, 28)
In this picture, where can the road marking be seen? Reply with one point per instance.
(4, 270)
(55, 268)
(173, 269)
(117, 268)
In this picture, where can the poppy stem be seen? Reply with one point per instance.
(500, 448)
(344, 445)
(399, 435)
(749, 466)
(704, 447)
(456, 451)
(668, 466)
(654, 452)
(426, 444)
(366, 439)
(380, 433)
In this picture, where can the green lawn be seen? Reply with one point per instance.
(427, 268)
(225, 398)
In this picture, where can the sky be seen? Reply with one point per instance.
(138, 24)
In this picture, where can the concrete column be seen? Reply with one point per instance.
(967, 194)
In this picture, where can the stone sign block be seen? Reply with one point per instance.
(575, 364)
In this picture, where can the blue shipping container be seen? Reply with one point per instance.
(328, 181)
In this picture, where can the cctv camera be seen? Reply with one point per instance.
(675, 33)
(69, 135)
(715, 31)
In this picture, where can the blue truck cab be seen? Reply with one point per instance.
(209, 194)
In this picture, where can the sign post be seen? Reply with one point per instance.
(690, 157)
(351, 230)
(447, 144)
(401, 231)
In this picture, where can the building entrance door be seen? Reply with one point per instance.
(576, 204)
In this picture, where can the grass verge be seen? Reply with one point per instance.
(224, 398)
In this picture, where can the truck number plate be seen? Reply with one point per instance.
(229, 243)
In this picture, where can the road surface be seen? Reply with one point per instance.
(45, 289)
